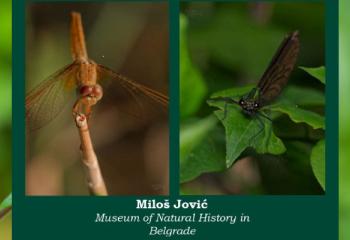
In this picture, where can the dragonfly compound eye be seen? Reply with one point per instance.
(85, 90)
(97, 92)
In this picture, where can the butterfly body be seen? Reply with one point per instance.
(270, 84)
(250, 103)
(249, 106)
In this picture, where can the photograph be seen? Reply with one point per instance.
(252, 98)
(96, 104)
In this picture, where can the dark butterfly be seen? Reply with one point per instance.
(272, 81)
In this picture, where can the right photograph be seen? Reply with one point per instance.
(252, 98)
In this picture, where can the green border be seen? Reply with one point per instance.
(174, 97)
(273, 217)
(332, 98)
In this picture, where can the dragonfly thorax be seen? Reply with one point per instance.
(249, 106)
(86, 73)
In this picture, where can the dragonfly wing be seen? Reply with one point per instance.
(140, 94)
(47, 100)
(277, 73)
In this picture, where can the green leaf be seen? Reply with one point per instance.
(7, 202)
(192, 85)
(296, 94)
(318, 162)
(6, 205)
(304, 96)
(318, 72)
(202, 148)
(299, 115)
(284, 105)
(243, 131)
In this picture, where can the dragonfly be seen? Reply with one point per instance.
(271, 84)
(47, 100)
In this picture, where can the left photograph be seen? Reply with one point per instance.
(96, 102)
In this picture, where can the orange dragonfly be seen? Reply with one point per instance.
(46, 101)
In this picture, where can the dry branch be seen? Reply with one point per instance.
(89, 159)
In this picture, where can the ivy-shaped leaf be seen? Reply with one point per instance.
(318, 162)
(299, 115)
(318, 73)
(243, 131)
(202, 148)
(256, 131)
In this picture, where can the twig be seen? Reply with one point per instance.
(89, 159)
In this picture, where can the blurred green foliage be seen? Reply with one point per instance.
(190, 98)
(5, 117)
(201, 148)
(229, 45)
(5, 102)
(319, 73)
(344, 76)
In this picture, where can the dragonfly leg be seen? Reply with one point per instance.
(83, 106)
(261, 124)
(227, 100)
(265, 116)
(225, 111)
(88, 111)
(89, 96)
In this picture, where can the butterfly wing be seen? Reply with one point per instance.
(47, 100)
(276, 75)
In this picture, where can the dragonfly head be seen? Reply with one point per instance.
(249, 106)
(94, 91)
